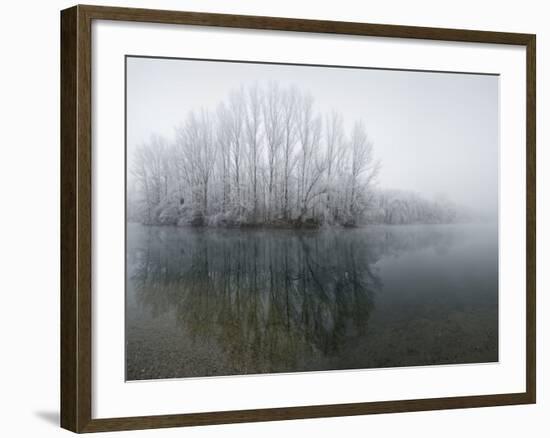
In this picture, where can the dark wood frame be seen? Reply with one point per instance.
(76, 218)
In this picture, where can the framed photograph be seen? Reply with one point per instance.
(272, 218)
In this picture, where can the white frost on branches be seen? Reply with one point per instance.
(267, 156)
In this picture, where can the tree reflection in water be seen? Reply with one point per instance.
(220, 302)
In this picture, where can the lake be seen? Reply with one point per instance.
(209, 302)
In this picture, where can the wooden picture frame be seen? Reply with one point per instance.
(76, 217)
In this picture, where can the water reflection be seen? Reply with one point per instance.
(209, 302)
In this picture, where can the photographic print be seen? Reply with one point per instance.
(285, 218)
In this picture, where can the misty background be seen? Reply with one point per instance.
(435, 134)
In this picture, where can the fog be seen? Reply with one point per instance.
(435, 134)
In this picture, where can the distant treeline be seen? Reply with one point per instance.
(267, 157)
(398, 207)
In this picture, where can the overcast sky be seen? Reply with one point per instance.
(434, 133)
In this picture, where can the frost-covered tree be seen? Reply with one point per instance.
(274, 130)
(311, 165)
(253, 122)
(362, 171)
(289, 103)
(334, 138)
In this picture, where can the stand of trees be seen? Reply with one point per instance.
(265, 156)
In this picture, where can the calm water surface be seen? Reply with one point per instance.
(222, 302)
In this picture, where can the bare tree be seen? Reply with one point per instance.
(273, 129)
(140, 173)
(289, 131)
(363, 168)
(237, 110)
(151, 171)
(311, 167)
(253, 133)
(198, 153)
(334, 133)
(223, 140)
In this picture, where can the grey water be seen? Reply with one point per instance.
(212, 302)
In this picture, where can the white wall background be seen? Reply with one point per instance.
(29, 215)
